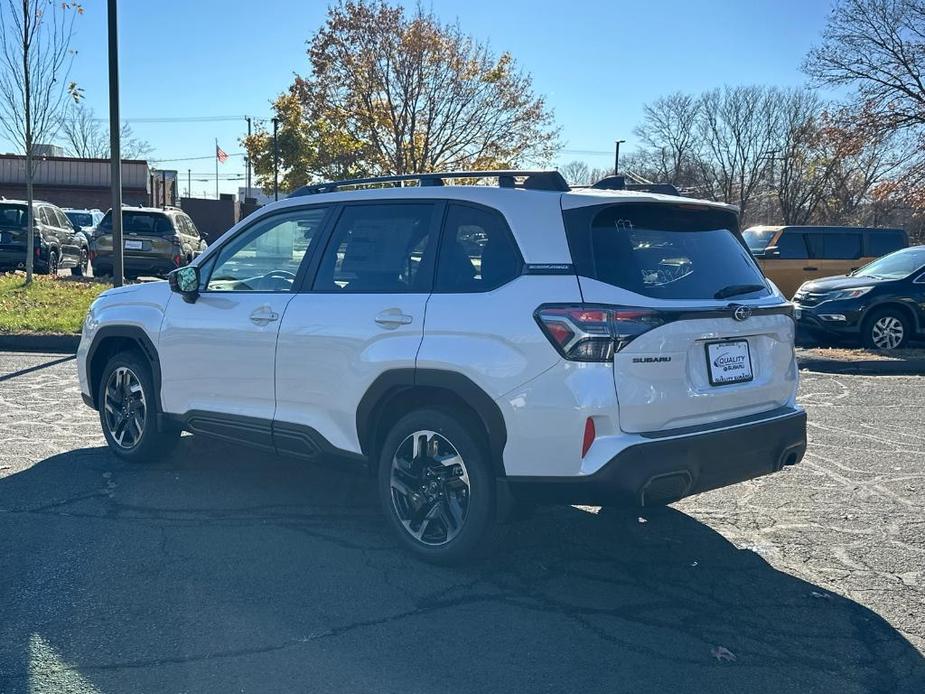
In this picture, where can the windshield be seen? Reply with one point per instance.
(81, 219)
(758, 239)
(153, 223)
(13, 216)
(896, 265)
(668, 252)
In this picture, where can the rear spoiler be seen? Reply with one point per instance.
(619, 183)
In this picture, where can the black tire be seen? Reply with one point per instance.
(150, 444)
(51, 268)
(886, 328)
(83, 263)
(476, 534)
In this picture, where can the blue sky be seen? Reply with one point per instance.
(597, 62)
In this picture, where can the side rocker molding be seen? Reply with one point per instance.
(140, 338)
(391, 382)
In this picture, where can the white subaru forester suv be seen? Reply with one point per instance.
(477, 345)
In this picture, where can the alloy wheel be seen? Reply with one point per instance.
(430, 488)
(887, 332)
(125, 408)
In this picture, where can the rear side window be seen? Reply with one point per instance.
(663, 251)
(835, 245)
(378, 248)
(792, 245)
(880, 242)
(477, 252)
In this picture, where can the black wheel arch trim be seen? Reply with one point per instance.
(146, 347)
(390, 382)
(906, 306)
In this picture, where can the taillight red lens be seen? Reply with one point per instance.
(593, 333)
(590, 435)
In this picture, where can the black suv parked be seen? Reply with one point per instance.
(882, 303)
(58, 243)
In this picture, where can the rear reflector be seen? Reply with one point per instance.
(582, 332)
(589, 437)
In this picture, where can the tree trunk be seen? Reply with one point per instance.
(30, 233)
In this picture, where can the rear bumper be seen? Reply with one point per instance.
(662, 470)
(15, 258)
(151, 265)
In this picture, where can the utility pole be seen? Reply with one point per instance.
(115, 156)
(189, 183)
(216, 168)
(164, 188)
(275, 161)
(247, 160)
(616, 158)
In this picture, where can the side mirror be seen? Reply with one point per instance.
(772, 252)
(185, 281)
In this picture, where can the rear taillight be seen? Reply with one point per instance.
(586, 332)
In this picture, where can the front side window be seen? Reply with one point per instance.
(81, 219)
(378, 248)
(266, 258)
(477, 252)
(668, 252)
(792, 246)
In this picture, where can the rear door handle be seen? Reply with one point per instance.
(810, 269)
(392, 318)
(262, 316)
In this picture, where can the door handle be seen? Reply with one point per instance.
(393, 318)
(262, 316)
(810, 269)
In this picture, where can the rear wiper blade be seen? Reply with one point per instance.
(737, 289)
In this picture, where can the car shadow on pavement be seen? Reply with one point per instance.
(224, 570)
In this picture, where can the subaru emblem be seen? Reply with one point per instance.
(742, 313)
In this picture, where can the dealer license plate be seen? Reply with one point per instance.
(729, 362)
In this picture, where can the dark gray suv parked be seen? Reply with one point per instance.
(155, 241)
(58, 243)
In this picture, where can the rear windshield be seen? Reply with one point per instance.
(13, 216)
(758, 239)
(153, 223)
(664, 251)
(81, 219)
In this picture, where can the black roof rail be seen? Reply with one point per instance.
(532, 180)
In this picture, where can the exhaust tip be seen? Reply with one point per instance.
(666, 488)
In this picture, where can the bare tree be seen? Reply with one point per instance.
(35, 55)
(577, 173)
(88, 136)
(669, 130)
(738, 127)
(878, 47)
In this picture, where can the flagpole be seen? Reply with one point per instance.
(216, 168)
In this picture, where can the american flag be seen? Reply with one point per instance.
(220, 154)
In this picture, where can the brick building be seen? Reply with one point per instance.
(76, 182)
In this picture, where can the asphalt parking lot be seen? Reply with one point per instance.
(225, 570)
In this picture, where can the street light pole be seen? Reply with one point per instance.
(115, 152)
(616, 158)
(275, 161)
(248, 160)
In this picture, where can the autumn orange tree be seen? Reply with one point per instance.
(391, 92)
(877, 47)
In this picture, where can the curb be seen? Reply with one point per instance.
(870, 367)
(52, 344)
